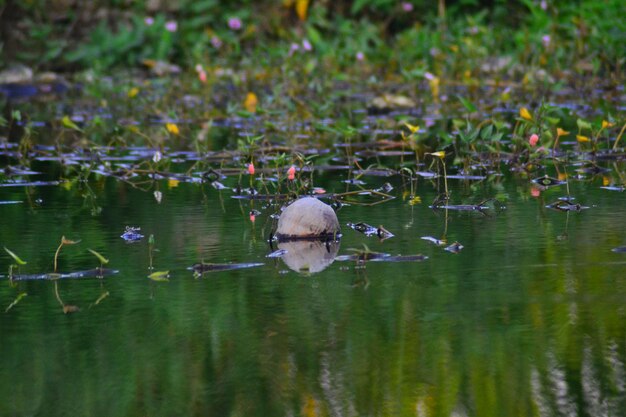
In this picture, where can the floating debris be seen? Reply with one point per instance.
(201, 268)
(28, 183)
(51, 276)
(438, 242)
(614, 187)
(131, 234)
(368, 230)
(546, 181)
(620, 249)
(354, 182)
(566, 205)
(381, 257)
(456, 247)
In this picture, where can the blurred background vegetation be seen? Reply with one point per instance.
(73, 35)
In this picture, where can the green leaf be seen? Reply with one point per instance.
(159, 276)
(101, 258)
(68, 123)
(583, 124)
(15, 257)
(486, 132)
(469, 106)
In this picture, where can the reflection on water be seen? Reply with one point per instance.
(309, 256)
(520, 322)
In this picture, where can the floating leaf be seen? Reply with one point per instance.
(160, 276)
(15, 257)
(101, 258)
(546, 181)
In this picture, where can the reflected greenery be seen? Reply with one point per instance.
(527, 320)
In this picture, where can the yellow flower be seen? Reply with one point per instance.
(132, 93)
(560, 132)
(301, 9)
(172, 128)
(606, 123)
(525, 114)
(581, 139)
(250, 102)
(439, 154)
(412, 128)
(172, 182)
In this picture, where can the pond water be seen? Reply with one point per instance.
(527, 318)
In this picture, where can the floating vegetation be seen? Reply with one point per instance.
(614, 188)
(456, 247)
(489, 204)
(131, 234)
(547, 181)
(566, 205)
(380, 257)
(434, 240)
(368, 230)
(52, 276)
(160, 276)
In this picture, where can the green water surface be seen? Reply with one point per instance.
(528, 319)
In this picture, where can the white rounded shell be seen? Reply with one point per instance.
(307, 217)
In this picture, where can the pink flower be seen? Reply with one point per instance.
(202, 76)
(293, 48)
(234, 23)
(535, 192)
(534, 138)
(149, 21)
(545, 40)
(171, 26)
(291, 173)
(360, 56)
(252, 216)
(407, 7)
(216, 42)
(306, 45)
(251, 169)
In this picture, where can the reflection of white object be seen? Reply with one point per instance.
(307, 218)
(309, 256)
